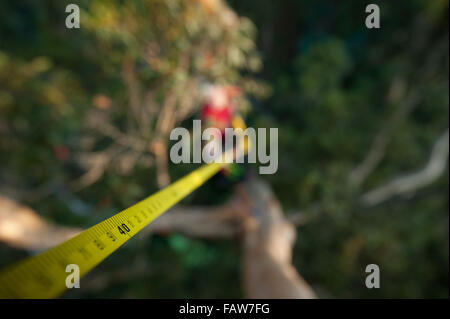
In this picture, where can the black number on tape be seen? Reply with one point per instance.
(124, 230)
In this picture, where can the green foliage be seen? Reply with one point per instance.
(336, 85)
(333, 86)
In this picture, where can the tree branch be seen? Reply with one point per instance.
(267, 248)
(22, 228)
(378, 149)
(409, 183)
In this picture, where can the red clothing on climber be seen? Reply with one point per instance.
(220, 116)
(217, 110)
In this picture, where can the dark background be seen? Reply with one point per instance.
(327, 82)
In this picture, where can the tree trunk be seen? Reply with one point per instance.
(267, 248)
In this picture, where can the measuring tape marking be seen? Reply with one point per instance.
(44, 275)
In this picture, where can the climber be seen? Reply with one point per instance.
(219, 110)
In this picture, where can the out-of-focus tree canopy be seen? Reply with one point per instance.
(85, 116)
(358, 108)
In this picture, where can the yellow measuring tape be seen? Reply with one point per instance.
(44, 275)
